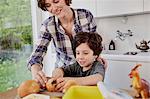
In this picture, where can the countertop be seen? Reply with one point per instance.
(119, 56)
(12, 94)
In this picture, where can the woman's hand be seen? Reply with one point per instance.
(38, 75)
(103, 61)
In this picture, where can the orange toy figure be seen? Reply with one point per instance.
(140, 85)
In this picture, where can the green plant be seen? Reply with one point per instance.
(15, 20)
(27, 38)
(15, 38)
(26, 34)
(10, 41)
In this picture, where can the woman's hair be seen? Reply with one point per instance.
(41, 4)
(93, 40)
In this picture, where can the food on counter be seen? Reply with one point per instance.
(28, 87)
(50, 85)
(68, 84)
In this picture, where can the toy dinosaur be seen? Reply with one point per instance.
(140, 85)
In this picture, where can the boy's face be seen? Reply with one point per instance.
(58, 8)
(84, 56)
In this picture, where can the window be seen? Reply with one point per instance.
(15, 42)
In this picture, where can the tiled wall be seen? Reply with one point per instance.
(138, 24)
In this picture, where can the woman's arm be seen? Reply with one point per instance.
(40, 51)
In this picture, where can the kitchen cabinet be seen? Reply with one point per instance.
(146, 5)
(108, 8)
(118, 7)
(117, 74)
(87, 4)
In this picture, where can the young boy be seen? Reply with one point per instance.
(86, 70)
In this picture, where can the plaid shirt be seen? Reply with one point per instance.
(51, 30)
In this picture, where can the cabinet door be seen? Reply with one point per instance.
(146, 5)
(117, 74)
(87, 4)
(118, 7)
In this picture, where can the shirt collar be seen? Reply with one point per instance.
(76, 26)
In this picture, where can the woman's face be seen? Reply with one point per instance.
(85, 56)
(57, 7)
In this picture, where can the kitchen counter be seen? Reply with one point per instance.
(12, 94)
(119, 56)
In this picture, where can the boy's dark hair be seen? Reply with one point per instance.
(41, 4)
(93, 40)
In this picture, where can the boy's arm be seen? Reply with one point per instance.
(58, 72)
(84, 81)
(88, 80)
(62, 71)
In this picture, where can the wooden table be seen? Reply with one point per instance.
(12, 94)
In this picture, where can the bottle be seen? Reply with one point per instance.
(112, 45)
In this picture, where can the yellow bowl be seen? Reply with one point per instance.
(83, 92)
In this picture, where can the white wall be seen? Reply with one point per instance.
(138, 24)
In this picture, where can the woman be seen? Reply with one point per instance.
(59, 28)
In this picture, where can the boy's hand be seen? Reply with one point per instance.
(60, 84)
(65, 83)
